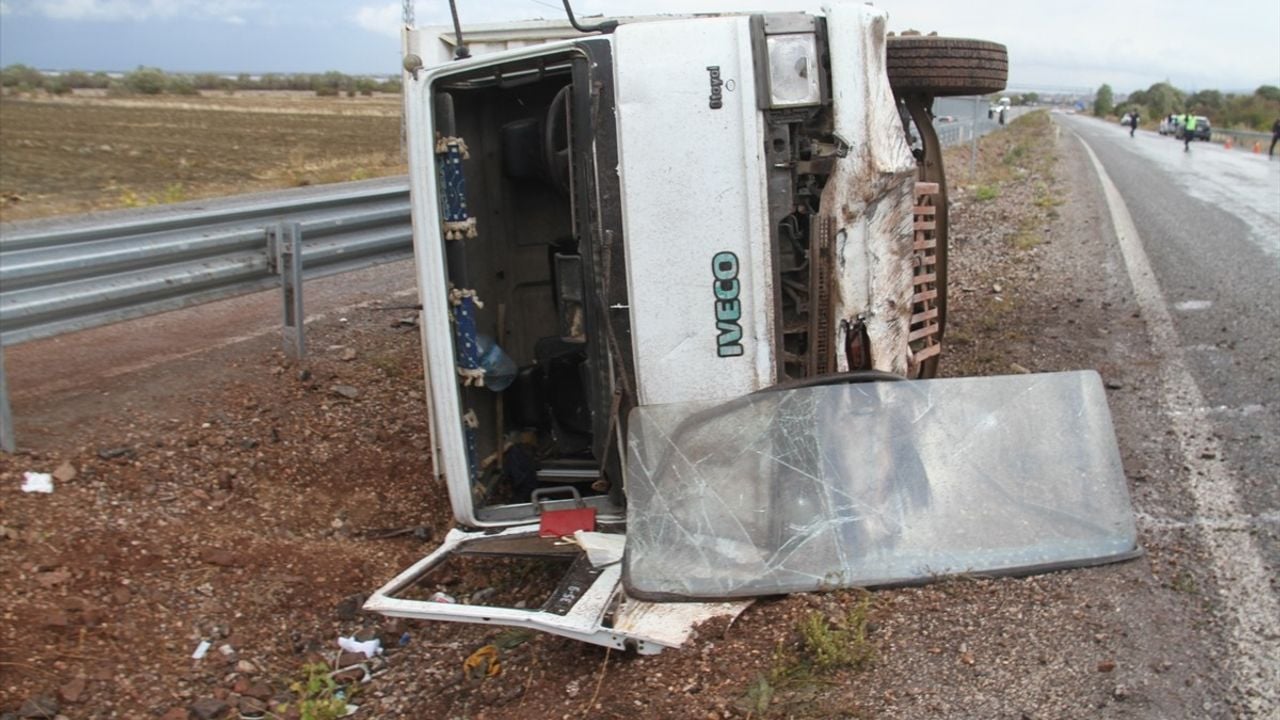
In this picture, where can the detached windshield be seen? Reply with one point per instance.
(873, 484)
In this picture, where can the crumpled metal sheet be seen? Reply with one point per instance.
(873, 484)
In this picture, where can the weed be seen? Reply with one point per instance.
(838, 646)
(1025, 240)
(1183, 582)
(986, 192)
(825, 647)
(389, 364)
(318, 695)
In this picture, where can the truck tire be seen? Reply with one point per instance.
(943, 66)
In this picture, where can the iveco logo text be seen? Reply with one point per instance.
(717, 85)
(724, 266)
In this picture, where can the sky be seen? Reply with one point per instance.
(1230, 45)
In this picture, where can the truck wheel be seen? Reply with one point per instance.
(943, 66)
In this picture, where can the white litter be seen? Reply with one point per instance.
(37, 482)
(602, 548)
(201, 650)
(368, 647)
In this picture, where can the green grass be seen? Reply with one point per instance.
(986, 192)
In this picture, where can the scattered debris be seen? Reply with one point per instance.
(345, 391)
(116, 452)
(34, 482)
(482, 663)
(367, 647)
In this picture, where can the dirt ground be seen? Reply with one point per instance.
(234, 497)
(87, 152)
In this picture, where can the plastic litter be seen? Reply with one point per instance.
(34, 482)
(201, 650)
(404, 639)
(368, 648)
(602, 548)
(441, 597)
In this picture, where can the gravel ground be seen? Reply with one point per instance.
(234, 497)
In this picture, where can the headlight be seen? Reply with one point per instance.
(793, 70)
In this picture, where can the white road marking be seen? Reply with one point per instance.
(1193, 305)
(1249, 605)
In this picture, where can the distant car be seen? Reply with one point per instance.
(1170, 125)
(1201, 131)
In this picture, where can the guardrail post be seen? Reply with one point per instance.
(973, 129)
(8, 443)
(289, 263)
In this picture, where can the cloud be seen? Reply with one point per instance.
(383, 19)
(230, 11)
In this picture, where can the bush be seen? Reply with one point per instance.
(326, 91)
(180, 85)
(146, 81)
(57, 86)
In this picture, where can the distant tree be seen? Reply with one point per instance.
(1268, 92)
(1030, 98)
(1205, 102)
(100, 80)
(1104, 101)
(57, 86)
(391, 85)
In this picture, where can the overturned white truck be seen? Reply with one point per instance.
(683, 286)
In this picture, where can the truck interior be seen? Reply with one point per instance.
(514, 159)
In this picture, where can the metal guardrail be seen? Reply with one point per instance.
(77, 274)
(1241, 138)
(58, 280)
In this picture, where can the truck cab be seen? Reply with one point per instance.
(683, 209)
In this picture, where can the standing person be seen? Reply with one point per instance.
(1188, 129)
(1133, 121)
(1275, 137)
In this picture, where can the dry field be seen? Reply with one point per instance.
(90, 152)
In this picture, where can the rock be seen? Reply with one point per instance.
(1019, 369)
(209, 708)
(997, 288)
(246, 667)
(1106, 666)
(1121, 693)
(116, 452)
(72, 691)
(348, 354)
(176, 714)
(347, 659)
(345, 391)
(66, 472)
(259, 690)
(1114, 385)
(53, 577)
(572, 689)
(252, 708)
(40, 706)
(349, 607)
(215, 556)
(304, 375)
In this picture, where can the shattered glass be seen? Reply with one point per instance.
(872, 484)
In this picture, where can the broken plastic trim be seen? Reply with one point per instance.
(597, 613)
(873, 484)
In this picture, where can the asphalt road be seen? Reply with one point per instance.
(1200, 233)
